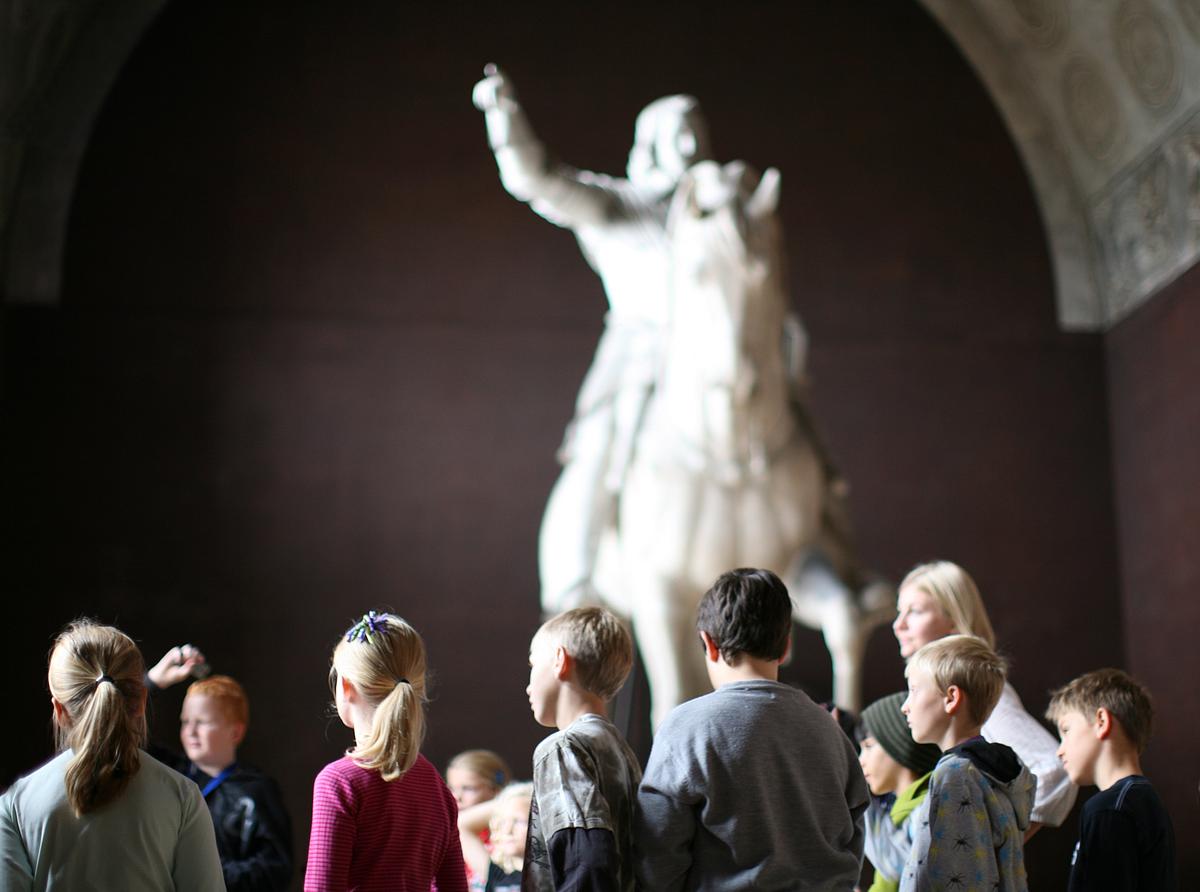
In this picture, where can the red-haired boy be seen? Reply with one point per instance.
(254, 832)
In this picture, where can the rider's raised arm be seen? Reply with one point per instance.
(559, 193)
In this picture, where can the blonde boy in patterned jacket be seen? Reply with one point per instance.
(970, 830)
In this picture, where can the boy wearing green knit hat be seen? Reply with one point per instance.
(897, 770)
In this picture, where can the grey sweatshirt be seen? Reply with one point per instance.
(753, 786)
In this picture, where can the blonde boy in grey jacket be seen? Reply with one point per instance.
(971, 828)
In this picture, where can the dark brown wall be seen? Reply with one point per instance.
(1153, 371)
(311, 358)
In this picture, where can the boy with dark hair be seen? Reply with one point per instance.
(753, 786)
(585, 777)
(1126, 841)
(970, 830)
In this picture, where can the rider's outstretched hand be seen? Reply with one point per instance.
(494, 91)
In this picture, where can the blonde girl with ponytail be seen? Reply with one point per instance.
(382, 816)
(104, 814)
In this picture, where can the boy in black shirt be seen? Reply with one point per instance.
(1126, 841)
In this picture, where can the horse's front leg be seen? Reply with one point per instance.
(664, 621)
(846, 639)
(578, 511)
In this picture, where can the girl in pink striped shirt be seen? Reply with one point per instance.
(382, 817)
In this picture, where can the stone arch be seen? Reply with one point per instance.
(1103, 103)
(59, 61)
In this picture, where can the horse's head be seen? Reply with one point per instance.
(726, 268)
(728, 302)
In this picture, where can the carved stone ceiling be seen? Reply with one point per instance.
(1102, 98)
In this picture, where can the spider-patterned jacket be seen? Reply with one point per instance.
(970, 829)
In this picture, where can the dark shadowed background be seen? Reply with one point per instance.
(311, 359)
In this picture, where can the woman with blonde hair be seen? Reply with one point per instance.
(939, 599)
(103, 814)
(382, 817)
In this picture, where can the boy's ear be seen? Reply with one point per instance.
(562, 662)
(239, 733)
(712, 652)
(1103, 723)
(953, 700)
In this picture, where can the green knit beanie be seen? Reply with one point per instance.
(886, 723)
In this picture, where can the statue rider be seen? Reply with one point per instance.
(621, 227)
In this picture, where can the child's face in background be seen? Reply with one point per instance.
(927, 719)
(509, 827)
(1080, 747)
(209, 737)
(881, 770)
(468, 787)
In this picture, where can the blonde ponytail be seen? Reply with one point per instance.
(396, 734)
(384, 657)
(96, 675)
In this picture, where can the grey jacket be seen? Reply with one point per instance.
(969, 833)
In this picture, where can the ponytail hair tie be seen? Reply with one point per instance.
(103, 677)
(404, 681)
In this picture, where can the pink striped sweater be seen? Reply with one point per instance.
(368, 833)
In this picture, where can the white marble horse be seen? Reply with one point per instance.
(725, 472)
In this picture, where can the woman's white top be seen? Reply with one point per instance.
(158, 835)
(1011, 725)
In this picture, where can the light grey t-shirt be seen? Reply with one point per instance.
(584, 777)
(751, 787)
(158, 835)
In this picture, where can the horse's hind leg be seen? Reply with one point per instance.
(820, 600)
(847, 631)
